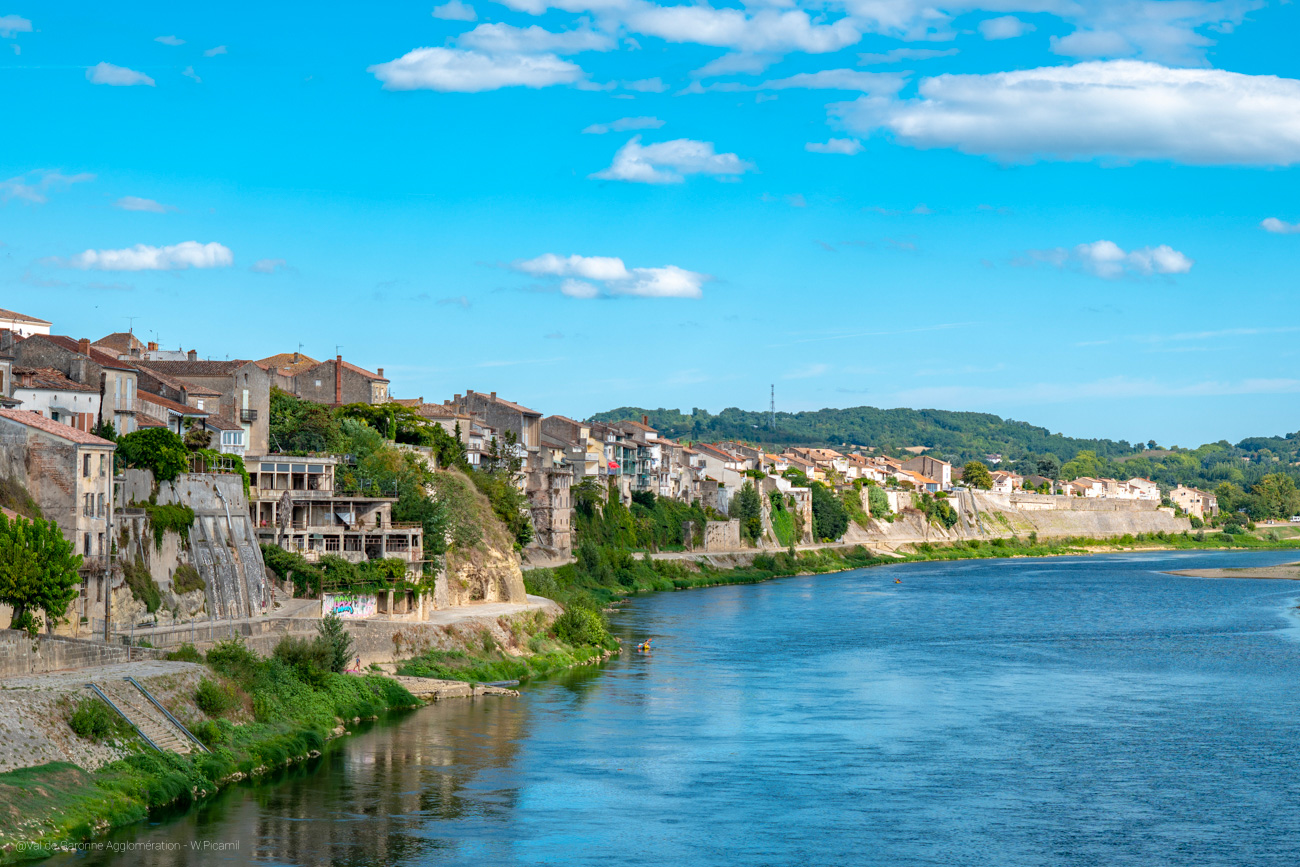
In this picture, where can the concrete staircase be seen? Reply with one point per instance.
(132, 702)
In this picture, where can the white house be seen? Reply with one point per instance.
(22, 324)
(47, 391)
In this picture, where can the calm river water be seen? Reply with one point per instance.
(1088, 711)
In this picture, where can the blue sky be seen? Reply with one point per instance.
(1079, 214)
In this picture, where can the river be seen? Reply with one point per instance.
(1066, 711)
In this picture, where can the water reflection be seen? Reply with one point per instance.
(1078, 711)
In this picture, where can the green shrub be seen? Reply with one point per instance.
(335, 637)
(310, 659)
(211, 733)
(184, 653)
(156, 449)
(581, 627)
(96, 721)
(233, 659)
(142, 585)
(215, 698)
(174, 517)
(186, 579)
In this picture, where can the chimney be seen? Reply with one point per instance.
(295, 358)
(135, 352)
(645, 420)
(83, 346)
(192, 355)
(338, 380)
(153, 347)
(494, 395)
(381, 373)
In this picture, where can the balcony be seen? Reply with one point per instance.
(247, 415)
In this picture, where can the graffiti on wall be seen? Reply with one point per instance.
(348, 606)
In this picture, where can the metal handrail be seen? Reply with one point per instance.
(108, 701)
(167, 713)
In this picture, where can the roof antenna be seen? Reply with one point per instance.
(130, 320)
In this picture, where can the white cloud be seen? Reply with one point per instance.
(504, 39)
(458, 70)
(268, 266)
(189, 72)
(12, 24)
(668, 162)
(737, 62)
(846, 146)
(455, 10)
(882, 83)
(34, 185)
(1278, 227)
(117, 76)
(213, 52)
(645, 85)
(898, 55)
(765, 30)
(624, 124)
(1006, 27)
(1122, 108)
(135, 203)
(607, 276)
(141, 257)
(1108, 260)
(169, 40)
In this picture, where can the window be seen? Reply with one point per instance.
(199, 403)
(101, 466)
(85, 466)
(87, 541)
(318, 383)
(101, 505)
(88, 507)
(232, 437)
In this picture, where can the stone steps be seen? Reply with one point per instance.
(146, 717)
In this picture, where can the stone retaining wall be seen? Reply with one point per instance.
(21, 654)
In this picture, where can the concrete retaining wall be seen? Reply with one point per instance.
(23, 655)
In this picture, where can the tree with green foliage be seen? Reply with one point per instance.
(1275, 496)
(1048, 466)
(196, 436)
(156, 449)
(299, 427)
(334, 635)
(976, 475)
(830, 521)
(38, 572)
(1084, 463)
(746, 507)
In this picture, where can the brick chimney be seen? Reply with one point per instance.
(338, 380)
(381, 373)
(295, 358)
(645, 420)
(83, 346)
(494, 395)
(192, 355)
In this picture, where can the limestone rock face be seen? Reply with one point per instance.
(487, 574)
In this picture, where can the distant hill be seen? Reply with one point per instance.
(956, 436)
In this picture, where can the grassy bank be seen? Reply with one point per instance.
(254, 715)
(603, 574)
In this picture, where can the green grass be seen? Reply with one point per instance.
(58, 804)
(549, 656)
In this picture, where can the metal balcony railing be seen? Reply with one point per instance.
(247, 415)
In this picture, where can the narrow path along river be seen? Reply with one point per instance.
(1076, 711)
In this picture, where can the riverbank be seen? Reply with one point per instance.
(1286, 571)
(602, 576)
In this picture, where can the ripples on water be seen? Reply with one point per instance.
(1087, 711)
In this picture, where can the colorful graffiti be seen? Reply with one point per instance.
(348, 606)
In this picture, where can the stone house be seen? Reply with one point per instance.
(47, 391)
(1202, 504)
(503, 416)
(931, 467)
(338, 383)
(586, 452)
(69, 473)
(243, 391)
(116, 381)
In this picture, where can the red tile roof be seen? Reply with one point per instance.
(54, 428)
(99, 356)
(50, 379)
(20, 317)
